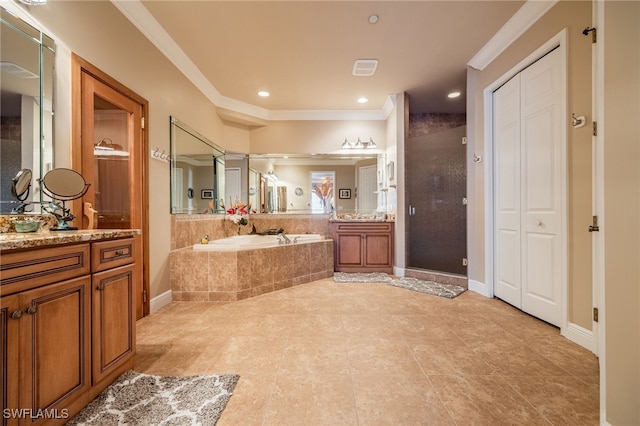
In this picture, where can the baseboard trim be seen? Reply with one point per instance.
(580, 336)
(398, 272)
(159, 301)
(479, 287)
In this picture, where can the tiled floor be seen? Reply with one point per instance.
(371, 354)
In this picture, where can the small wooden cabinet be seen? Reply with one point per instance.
(66, 333)
(363, 246)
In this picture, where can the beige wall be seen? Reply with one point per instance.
(621, 227)
(575, 16)
(295, 137)
(97, 32)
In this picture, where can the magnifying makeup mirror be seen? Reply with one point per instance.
(63, 185)
(20, 185)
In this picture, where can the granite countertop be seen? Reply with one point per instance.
(14, 241)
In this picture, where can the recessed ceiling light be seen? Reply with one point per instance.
(363, 100)
(373, 19)
(263, 93)
(453, 94)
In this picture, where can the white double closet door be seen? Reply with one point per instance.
(529, 169)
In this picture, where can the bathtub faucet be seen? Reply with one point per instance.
(285, 239)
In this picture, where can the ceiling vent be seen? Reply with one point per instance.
(365, 67)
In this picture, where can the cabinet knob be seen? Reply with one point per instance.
(100, 287)
(119, 252)
(16, 314)
(31, 310)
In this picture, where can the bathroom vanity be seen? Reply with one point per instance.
(362, 246)
(67, 313)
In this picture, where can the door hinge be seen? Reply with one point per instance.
(144, 296)
(142, 122)
(594, 226)
(595, 128)
(465, 201)
(464, 140)
(465, 261)
(595, 314)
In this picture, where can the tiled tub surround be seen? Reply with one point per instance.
(187, 230)
(223, 276)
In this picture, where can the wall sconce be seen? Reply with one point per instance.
(358, 145)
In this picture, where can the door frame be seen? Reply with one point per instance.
(78, 66)
(573, 332)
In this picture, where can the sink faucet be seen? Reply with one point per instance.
(285, 239)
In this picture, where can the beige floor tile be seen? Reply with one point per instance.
(484, 400)
(377, 355)
(398, 399)
(249, 401)
(312, 399)
(562, 400)
(315, 355)
(449, 356)
(324, 353)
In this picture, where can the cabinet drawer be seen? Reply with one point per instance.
(111, 254)
(367, 227)
(33, 268)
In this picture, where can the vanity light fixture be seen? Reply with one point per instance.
(358, 144)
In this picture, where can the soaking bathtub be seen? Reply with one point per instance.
(252, 242)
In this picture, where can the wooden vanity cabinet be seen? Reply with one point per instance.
(65, 333)
(46, 334)
(363, 246)
(113, 316)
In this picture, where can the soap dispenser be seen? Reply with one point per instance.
(205, 240)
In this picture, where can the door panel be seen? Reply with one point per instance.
(529, 174)
(112, 162)
(508, 271)
(436, 185)
(542, 142)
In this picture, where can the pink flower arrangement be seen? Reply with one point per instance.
(238, 212)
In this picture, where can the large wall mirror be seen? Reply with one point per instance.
(26, 93)
(197, 172)
(322, 183)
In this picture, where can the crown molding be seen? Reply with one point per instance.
(520, 22)
(142, 19)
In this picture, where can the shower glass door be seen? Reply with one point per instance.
(436, 230)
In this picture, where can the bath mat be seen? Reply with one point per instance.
(137, 399)
(443, 290)
(361, 277)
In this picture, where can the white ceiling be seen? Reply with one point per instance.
(303, 52)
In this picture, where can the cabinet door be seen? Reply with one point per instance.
(10, 315)
(113, 333)
(348, 250)
(54, 347)
(378, 250)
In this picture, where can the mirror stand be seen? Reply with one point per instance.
(62, 185)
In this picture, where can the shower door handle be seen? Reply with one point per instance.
(412, 210)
